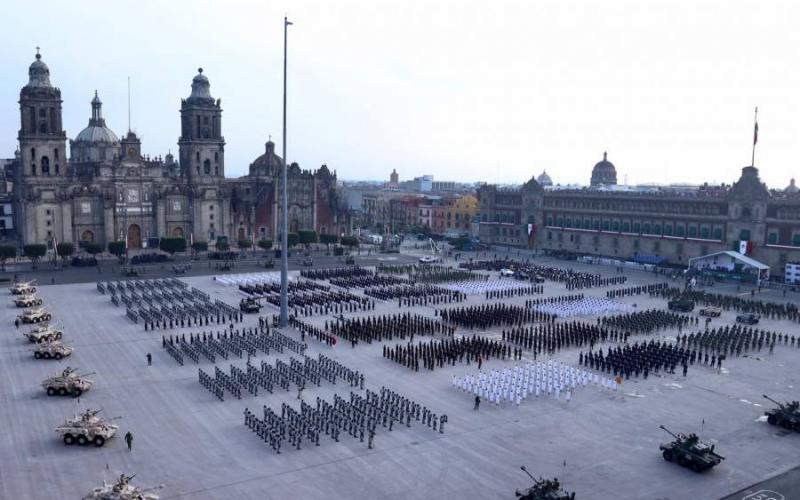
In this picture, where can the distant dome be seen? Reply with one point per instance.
(38, 73)
(545, 179)
(792, 188)
(201, 88)
(97, 130)
(267, 164)
(604, 172)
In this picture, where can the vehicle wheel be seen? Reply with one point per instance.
(58, 336)
(697, 467)
(99, 441)
(48, 317)
(57, 355)
(39, 302)
(62, 391)
(82, 440)
(69, 439)
(772, 419)
(51, 391)
(76, 393)
(667, 455)
(37, 355)
(786, 424)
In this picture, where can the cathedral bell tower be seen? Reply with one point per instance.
(201, 144)
(42, 140)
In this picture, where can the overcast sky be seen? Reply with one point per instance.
(492, 90)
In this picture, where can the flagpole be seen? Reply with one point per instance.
(285, 216)
(755, 138)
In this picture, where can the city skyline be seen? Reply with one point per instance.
(381, 96)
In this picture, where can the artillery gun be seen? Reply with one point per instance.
(544, 489)
(67, 382)
(51, 350)
(121, 489)
(87, 428)
(29, 300)
(24, 288)
(690, 452)
(35, 315)
(786, 415)
(43, 333)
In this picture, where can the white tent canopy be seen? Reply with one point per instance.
(730, 261)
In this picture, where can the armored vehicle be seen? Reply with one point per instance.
(249, 305)
(711, 311)
(748, 318)
(682, 305)
(786, 415)
(87, 428)
(43, 333)
(51, 350)
(690, 452)
(121, 489)
(24, 288)
(35, 315)
(544, 489)
(67, 382)
(28, 300)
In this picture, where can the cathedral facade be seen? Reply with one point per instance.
(106, 190)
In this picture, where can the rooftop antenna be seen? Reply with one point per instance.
(129, 104)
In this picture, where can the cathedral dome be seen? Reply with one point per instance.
(201, 87)
(97, 130)
(267, 164)
(38, 73)
(544, 179)
(604, 172)
(792, 188)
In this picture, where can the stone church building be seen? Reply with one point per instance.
(105, 189)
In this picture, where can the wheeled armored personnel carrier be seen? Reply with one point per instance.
(249, 305)
(714, 312)
(30, 300)
(51, 350)
(786, 415)
(690, 452)
(682, 305)
(43, 333)
(68, 382)
(87, 428)
(24, 288)
(121, 489)
(543, 489)
(35, 315)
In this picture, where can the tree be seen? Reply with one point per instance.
(292, 239)
(172, 245)
(200, 246)
(223, 246)
(7, 252)
(35, 251)
(64, 250)
(307, 237)
(328, 239)
(244, 244)
(93, 248)
(265, 244)
(114, 248)
(349, 241)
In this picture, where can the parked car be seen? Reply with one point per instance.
(506, 272)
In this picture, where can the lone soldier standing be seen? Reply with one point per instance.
(477, 402)
(149, 359)
(16, 323)
(129, 440)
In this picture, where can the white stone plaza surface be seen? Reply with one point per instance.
(601, 444)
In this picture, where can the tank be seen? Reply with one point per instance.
(682, 305)
(35, 315)
(43, 333)
(786, 415)
(544, 489)
(68, 382)
(690, 452)
(30, 300)
(249, 305)
(122, 489)
(51, 350)
(87, 428)
(24, 288)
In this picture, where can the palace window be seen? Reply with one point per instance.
(704, 233)
(772, 238)
(692, 231)
(718, 233)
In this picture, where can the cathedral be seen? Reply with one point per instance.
(106, 190)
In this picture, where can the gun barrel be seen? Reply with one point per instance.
(669, 431)
(770, 399)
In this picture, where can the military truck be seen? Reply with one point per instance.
(43, 333)
(249, 305)
(544, 489)
(68, 382)
(28, 300)
(51, 350)
(24, 288)
(786, 415)
(87, 428)
(121, 489)
(690, 452)
(35, 315)
(682, 305)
